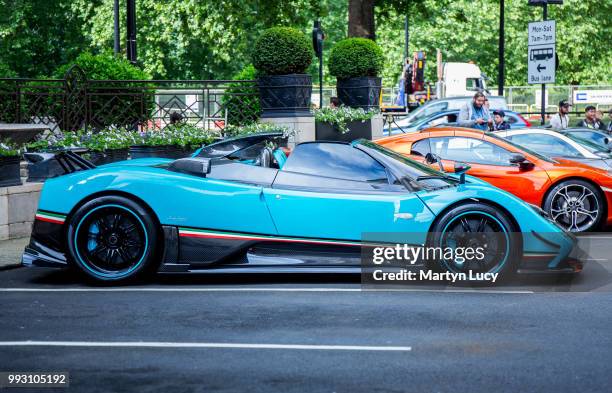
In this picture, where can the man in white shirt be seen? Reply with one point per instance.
(560, 120)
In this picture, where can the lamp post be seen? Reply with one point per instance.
(406, 37)
(117, 33)
(317, 44)
(131, 31)
(502, 49)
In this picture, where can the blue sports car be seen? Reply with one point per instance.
(243, 205)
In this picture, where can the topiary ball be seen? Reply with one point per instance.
(282, 51)
(354, 58)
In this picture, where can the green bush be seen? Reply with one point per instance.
(120, 104)
(281, 51)
(105, 66)
(355, 57)
(242, 101)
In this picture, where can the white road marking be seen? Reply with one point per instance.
(155, 344)
(225, 289)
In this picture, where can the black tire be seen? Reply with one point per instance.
(576, 205)
(112, 239)
(477, 225)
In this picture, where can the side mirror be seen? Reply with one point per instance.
(431, 158)
(521, 161)
(460, 169)
(517, 159)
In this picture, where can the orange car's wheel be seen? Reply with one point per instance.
(576, 205)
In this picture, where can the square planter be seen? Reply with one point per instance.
(108, 156)
(168, 151)
(361, 92)
(357, 129)
(285, 95)
(10, 174)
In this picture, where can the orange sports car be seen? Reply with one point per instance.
(576, 196)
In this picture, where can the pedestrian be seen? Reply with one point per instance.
(334, 102)
(610, 123)
(499, 124)
(175, 118)
(590, 119)
(487, 104)
(560, 120)
(475, 114)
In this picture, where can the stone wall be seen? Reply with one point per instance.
(18, 206)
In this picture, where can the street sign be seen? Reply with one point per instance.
(541, 52)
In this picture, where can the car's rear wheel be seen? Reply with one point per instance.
(112, 238)
(487, 230)
(576, 205)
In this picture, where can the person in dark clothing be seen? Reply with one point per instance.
(176, 118)
(334, 102)
(610, 123)
(590, 119)
(499, 124)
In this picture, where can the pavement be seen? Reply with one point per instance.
(10, 252)
(288, 333)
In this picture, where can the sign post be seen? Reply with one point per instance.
(542, 51)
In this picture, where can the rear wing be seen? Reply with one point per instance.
(69, 161)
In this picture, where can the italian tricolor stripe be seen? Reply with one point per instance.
(53, 218)
(207, 234)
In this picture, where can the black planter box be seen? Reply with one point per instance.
(9, 171)
(285, 95)
(357, 129)
(361, 92)
(170, 151)
(108, 156)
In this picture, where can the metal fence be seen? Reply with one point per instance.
(77, 102)
(527, 99)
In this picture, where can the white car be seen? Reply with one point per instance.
(554, 144)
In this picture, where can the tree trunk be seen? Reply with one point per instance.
(361, 19)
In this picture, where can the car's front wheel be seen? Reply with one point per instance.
(112, 238)
(576, 205)
(476, 238)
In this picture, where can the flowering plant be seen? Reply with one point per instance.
(185, 135)
(108, 139)
(256, 128)
(339, 117)
(8, 149)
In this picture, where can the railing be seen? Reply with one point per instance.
(77, 102)
(527, 99)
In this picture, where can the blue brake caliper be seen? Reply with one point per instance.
(92, 242)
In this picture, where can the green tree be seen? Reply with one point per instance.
(38, 35)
